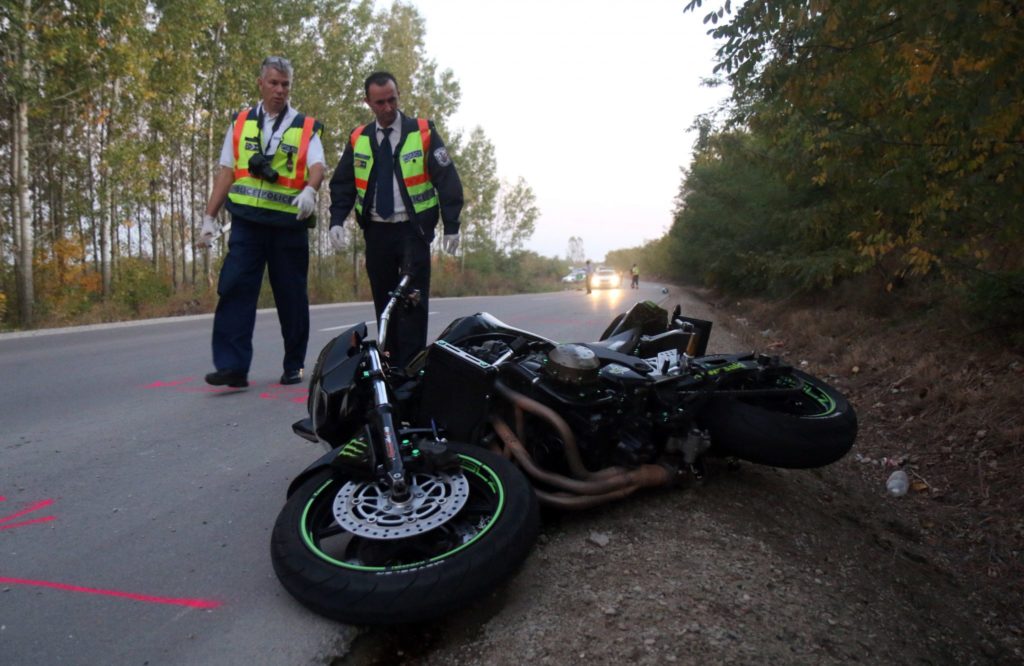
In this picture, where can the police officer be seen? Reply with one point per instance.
(272, 164)
(397, 174)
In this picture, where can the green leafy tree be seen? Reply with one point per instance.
(518, 216)
(478, 171)
(897, 130)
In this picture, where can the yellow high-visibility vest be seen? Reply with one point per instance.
(413, 160)
(289, 160)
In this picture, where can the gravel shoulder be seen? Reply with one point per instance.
(754, 565)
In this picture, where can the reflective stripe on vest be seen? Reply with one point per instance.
(412, 158)
(289, 161)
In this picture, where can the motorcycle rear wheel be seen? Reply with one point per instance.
(813, 429)
(366, 581)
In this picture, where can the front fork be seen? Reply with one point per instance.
(394, 469)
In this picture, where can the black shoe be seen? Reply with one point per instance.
(231, 378)
(292, 376)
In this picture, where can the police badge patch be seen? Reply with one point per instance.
(441, 155)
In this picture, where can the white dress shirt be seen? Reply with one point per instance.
(394, 136)
(271, 139)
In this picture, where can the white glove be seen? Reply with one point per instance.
(337, 234)
(207, 232)
(451, 243)
(305, 202)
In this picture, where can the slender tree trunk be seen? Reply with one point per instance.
(24, 232)
(26, 238)
(8, 217)
(175, 280)
(105, 212)
(182, 222)
(97, 250)
(207, 265)
(154, 225)
(138, 231)
(67, 132)
(192, 178)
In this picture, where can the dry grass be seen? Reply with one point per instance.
(930, 396)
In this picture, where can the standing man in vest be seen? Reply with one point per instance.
(397, 174)
(272, 164)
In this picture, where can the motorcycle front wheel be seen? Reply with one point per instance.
(810, 427)
(346, 551)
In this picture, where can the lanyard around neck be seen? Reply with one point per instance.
(277, 125)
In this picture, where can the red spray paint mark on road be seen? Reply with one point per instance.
(45, 519)
(161, 383)
(275, 390)
(191, 603)
(35, 507)
(297, 395)
(207, 389)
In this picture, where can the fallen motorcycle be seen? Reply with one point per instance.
(429, 494)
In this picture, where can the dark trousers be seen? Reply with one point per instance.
(285, 253)
(387, 245)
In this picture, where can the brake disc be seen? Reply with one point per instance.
(368, 510)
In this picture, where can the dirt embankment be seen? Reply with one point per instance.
(759, 565)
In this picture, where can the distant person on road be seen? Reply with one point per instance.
(399, 177)
(589, 270)
(635, 272)
(271, 166)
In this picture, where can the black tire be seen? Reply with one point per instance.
(812, 430)
(417, 578)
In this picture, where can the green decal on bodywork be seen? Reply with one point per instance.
(354, 449)
(732, 367)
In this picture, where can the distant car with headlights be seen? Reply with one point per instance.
(575, 276)
(605, 278)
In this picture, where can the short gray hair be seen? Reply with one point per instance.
(278, 63)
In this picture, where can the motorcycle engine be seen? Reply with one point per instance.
(602, 405)
(573, 365)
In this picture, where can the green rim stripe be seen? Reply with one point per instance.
(819, 396)
(469, 465)
(815, 393)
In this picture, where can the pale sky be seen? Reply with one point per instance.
(588, 100)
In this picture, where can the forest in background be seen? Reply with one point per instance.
(871, 151)
(112, 114)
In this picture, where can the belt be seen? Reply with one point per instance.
(393, 219)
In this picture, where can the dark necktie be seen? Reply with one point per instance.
(385, 177)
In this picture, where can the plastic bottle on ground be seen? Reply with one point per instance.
(898, 483)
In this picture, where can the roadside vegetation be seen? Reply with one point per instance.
(111, 122)
(868, 147)
(859, 205)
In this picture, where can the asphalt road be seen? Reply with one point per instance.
(136, 502)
